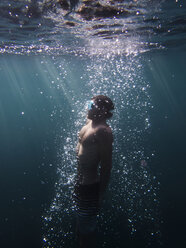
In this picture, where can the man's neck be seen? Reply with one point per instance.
(99, 122)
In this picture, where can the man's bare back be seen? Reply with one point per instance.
(94, 141)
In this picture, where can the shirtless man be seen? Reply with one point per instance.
(94, 153)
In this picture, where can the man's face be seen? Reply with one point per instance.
(92, 110)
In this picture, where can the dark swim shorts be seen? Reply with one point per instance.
(87, 206)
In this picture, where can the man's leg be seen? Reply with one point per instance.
(86, 231)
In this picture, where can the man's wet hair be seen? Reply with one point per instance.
(104, 104)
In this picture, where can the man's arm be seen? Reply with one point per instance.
(105, 140)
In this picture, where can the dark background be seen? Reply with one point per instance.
(28, 148)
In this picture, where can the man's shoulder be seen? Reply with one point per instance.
(104, 133)
(104, 129)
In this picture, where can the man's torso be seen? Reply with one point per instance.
(88, 154)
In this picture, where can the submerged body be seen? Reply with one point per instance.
(94, 155)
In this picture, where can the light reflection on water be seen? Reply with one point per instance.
(41, 27)
(133, 188)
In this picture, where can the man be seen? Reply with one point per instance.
(94, 153)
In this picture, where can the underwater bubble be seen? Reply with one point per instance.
(132, 194)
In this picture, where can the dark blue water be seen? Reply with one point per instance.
(48, 71)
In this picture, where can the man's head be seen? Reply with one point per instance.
(100, 107)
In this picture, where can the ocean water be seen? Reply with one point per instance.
(51, 64)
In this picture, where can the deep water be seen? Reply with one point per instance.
(38, 117)
(169, 139)
(45, 83)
